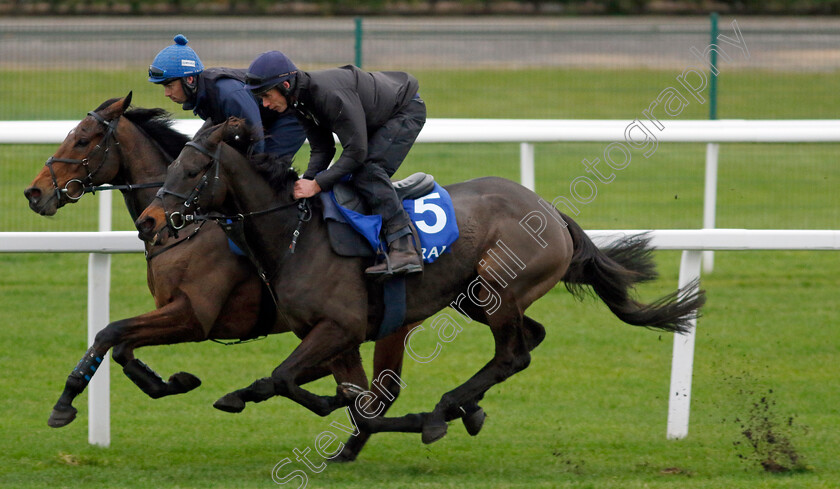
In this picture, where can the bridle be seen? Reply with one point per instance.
(104, 146)
(177, 220)
(231, 224)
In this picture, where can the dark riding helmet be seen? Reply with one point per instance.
(269, 70)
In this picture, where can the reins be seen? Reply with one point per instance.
(232, 225)
(177, 220)
(191, 199)
(127, 187)
(304, 215)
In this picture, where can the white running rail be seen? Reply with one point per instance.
(692, 243)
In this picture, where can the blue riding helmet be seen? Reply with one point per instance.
(269, 70)
(175, 61)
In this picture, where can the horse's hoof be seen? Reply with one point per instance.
(61, 417)
(474, 421)
(230, 403)
(344, 456)
(434, 431)
(183, 382)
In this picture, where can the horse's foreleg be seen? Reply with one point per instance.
(387, 367)
(325, 342)
(263, 389)
(167, 325)
(63, 412)
(173, 323)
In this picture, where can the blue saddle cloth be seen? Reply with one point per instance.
(432, 214)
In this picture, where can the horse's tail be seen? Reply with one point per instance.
(613, 272)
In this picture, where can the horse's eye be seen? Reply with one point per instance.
(192, 173)
(82, 143)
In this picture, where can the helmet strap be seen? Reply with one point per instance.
(287, 91)
(189, 88)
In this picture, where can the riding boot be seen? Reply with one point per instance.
(402, 258)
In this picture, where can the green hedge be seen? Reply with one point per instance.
(424, 7)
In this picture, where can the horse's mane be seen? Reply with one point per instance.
(157, 124)
(276, 170)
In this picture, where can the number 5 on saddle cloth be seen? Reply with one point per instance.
(355, 233)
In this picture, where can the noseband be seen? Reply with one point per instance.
(87, 183)
(177, 220)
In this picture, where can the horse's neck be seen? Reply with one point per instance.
(141, 162)
(250, 191)
(269, 234)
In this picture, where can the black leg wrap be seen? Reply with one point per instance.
(145, 378)
(80, 377)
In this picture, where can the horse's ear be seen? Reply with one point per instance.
(216, 134)
(235, 132)
(127, 101)
(117, 108)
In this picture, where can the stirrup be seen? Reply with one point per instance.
(387, 272)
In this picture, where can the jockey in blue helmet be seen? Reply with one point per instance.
(214, 94)
(176, 62)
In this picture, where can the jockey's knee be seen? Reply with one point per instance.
(371, 171)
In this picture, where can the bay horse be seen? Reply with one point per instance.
(202, 290)
(512, 249)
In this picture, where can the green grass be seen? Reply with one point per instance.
(589, 412)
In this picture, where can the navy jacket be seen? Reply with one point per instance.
(220, 93)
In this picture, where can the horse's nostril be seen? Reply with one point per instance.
(145, 224)
(32, 194)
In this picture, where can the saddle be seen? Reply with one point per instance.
(344, 239)
(347, 240)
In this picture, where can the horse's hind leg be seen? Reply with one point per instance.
(471, 413)
(533, 332)
(511, 356)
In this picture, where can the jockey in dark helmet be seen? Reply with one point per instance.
(376, 116)
(214, 94)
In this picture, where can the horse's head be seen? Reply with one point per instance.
(195, 180)
(85, 158)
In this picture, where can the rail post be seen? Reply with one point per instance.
(99, 293)
(682, 359)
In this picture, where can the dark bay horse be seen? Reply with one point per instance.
(202, 291)
(513, 248)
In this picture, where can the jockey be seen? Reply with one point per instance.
(376, 116)
(214, 94)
